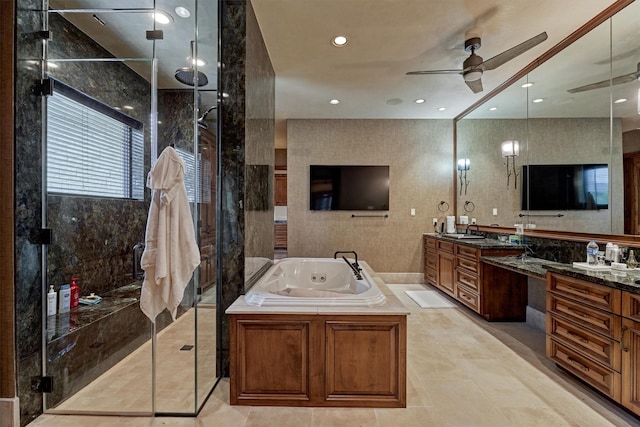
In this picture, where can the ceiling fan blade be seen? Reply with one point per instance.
(627, 78)
(475, 85)
(415, 73)
(508, 55)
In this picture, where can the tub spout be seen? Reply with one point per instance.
(138, 273)
(356, 265)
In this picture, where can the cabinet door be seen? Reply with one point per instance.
(446, 267)
(631, 365)
(280, 190)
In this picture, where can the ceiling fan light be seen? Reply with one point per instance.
(472, 76)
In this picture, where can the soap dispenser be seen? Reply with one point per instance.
(52, 301)
(75, 292)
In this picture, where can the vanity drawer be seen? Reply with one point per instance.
(468, 280)
(468, 298)
(601, 349)
(430, 243)
(600, 321)
(469, 265)
(598, 296)
(603, 379)
(631, 305)
(445, 246)
(468, 252)
(431, 261)
(431, 275)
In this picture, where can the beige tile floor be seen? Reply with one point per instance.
(461, 372)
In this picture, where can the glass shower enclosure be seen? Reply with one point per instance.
(122, 81)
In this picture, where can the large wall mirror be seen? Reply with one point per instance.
(576, 120)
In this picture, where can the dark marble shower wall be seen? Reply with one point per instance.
(93, 237)
(246, 140)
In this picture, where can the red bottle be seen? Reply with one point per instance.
(75, 292)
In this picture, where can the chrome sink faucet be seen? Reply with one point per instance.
(468, 230)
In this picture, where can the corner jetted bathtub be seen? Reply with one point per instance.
(314, 282)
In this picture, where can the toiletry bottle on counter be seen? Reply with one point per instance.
(52, 301)
(592, 252)
(631, 260)
(65, 298)
(75, 292)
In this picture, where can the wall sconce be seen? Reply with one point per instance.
(463, 167)
(510, 150)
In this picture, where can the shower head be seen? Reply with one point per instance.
(186, 75)
(201, 120)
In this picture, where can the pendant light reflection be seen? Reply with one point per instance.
(511, 150)
(463, 166)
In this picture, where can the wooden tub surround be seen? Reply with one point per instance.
(319, 356)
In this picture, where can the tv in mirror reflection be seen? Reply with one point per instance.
(565, 187)
(348, 188)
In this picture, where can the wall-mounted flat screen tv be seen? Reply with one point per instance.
(565, 187)
(348, 188)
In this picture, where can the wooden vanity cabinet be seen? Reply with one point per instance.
(584, 331)
(630, 343)
(457, 270)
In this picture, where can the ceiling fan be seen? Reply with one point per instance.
(474, 65)
(635, 75)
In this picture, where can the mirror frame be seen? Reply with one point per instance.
(603, 16)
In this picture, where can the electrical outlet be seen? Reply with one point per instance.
(495, 211)
(435, 222)
(413, 212)
(473, 221)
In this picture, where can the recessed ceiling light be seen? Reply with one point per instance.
(334, 102)
(528, 84)
(419, 101)
(162, 18)
(493, 108)
(537, 100)
(619, 101)
(182, 12)
(442, 108)
(117, 108)
(127, 107)
(339, 41)
(394, 101)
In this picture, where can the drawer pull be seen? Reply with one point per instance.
(581, 291)
(578, 337)
(624, 347)
(578, 364)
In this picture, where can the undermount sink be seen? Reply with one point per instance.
(463, 236)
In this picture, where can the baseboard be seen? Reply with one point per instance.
(9, 412)
(536, 318)
(402, 278)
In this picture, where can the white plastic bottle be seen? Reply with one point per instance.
(592, 252)
(52, 301)
(65, 298)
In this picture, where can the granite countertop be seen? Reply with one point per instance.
(486, 243)
(536, 267)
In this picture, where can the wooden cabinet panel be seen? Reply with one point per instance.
(318, 360)
(601, 321)
(274, 359)
(467, 280)
(598, 296)
(280, 189)
(446, 267)
(631, 365)
(445, 246)
(465, 251)
(631, 305)
(356, 349)
(602, 349)
(468, 298)
(603, 379)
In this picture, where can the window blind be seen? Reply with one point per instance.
(91, 153)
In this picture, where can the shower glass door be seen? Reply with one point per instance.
(116, 105)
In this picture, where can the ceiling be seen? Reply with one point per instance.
(387, 38)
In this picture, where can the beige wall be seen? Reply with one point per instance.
(420, 156)
(543, 141)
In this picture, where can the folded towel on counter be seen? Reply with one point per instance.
(92, 299)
